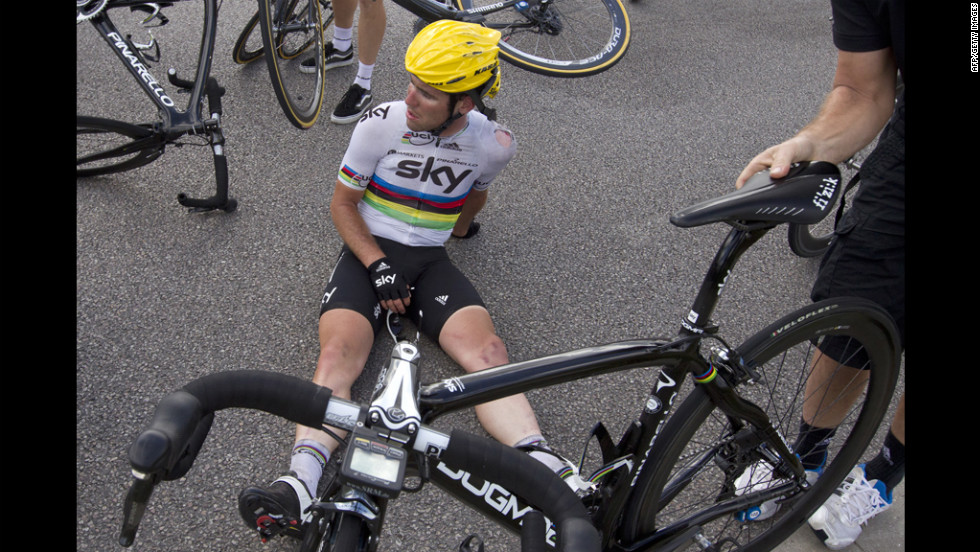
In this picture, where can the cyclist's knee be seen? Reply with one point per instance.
(475, 353)
(469, 338)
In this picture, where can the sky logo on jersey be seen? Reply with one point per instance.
(440, 176)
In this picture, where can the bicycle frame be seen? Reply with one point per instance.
(177, 122)
(175, 119)
(676, 359)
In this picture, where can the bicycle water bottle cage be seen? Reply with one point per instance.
(804, 196)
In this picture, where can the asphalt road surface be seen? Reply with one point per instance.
(576, 248)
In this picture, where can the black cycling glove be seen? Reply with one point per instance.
(470, 232)
(388, 283)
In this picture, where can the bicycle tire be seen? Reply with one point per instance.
(696, 428)
(806, 242)
(105, 146)
(348, 535)
(249, 47)
(299, 94)
(592, 35)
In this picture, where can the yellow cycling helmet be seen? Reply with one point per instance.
(456, 57)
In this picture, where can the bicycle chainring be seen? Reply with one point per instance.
(87, 9)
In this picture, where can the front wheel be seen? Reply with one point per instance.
(290, 29)
(350, 534)
(693, 495)
(559, 38)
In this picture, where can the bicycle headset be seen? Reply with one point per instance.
(457, 58)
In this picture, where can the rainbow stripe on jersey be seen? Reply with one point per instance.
(435, 212)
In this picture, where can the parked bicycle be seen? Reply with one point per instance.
(672, 479)
(560, 38)
(105, 146)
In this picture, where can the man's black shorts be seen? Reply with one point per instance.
(863, 262)
(439, 288)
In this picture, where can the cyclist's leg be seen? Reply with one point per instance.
(346, 338)
(456, 317)
(349, 319)
(468, 337)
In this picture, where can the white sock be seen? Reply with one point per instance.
(552, 461)
(308, 460)
(364, 73)
(342, 38)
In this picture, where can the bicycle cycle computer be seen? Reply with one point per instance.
(373, 464)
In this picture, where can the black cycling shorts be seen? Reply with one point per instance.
(862, 262)
(439, 288)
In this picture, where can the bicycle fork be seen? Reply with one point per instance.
(764, 439)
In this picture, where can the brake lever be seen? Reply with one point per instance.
(135, 505)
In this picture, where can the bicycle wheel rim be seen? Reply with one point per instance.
(808, 241)
(696, 431)
(569, 38)
(105, 146)
(249, 45)
(300, 94)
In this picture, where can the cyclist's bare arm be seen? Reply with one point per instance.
(474, 203)
(857, 107)
(354, 231)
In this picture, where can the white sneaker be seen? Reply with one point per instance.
(838, 522)
(758, 477)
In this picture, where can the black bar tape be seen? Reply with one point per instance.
(514, 469)
(182, 419)
(294, 399)
(533, 532)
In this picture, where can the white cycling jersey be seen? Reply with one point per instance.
(415, 183)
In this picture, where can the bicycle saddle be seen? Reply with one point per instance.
(804, 196)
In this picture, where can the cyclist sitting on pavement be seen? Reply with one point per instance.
(867, 255)
(415, 172)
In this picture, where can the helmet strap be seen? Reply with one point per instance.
(452, 118)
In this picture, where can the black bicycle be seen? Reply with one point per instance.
(105, 146)
(674, 480)
(560, 38)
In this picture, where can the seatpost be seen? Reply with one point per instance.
(738, 241)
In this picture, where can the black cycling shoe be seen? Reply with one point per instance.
(277, 509)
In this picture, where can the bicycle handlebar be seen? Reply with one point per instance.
(167, 448)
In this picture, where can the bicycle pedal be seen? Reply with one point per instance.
(269, 527)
